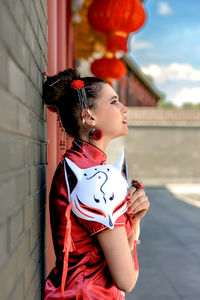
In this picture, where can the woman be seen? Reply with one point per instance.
(92, 261)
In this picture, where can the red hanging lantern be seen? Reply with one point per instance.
(108, 68)
(121, 15)
(117, 19)
(116, 41)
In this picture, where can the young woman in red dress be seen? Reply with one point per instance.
(93, 262)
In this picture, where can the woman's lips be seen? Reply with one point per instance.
(124, 121)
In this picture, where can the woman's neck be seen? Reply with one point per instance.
(102, 144)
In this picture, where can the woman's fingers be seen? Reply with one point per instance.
(138, 204)
(131, 191)
(135, 204)
(135, 195)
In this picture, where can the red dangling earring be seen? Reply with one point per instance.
(95, 134)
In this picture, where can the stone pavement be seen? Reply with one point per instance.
(169, 253)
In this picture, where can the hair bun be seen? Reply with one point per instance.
(52, 92)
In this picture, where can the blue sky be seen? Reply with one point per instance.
(168, 48)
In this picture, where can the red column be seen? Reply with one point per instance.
(70, 37)
(61, 53)
(60, 57)
(52, 125)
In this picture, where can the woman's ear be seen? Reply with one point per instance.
(86, 116)
(90, 119)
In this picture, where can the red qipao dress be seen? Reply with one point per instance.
(88, 275)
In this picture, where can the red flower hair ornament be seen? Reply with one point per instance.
(77, 84)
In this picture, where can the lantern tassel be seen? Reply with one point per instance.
(68, 247)
(136, 242)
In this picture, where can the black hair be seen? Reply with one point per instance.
(60, 97)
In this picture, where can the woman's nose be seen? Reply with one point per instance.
(124, 108)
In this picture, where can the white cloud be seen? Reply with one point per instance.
(172, 72)
(135, 44)
(191, 95)
(164, 9)
(142, 45)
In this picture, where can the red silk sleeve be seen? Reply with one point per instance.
(95, 227)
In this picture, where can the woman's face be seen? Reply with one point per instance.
(109, 114)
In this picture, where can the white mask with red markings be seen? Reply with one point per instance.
(100, 192)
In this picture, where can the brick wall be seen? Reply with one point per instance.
(23, 58)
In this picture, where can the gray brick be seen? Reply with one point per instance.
(14, 268)
(33, 71)
(33, 180)
(17, 10)
(42, 41)
(28, 213)
(37, 178)
(5, 23)
(3, 244)
(4, 67)
(39, 203)
(40, 78)
(5, 151)
(34, 233)
(34, 18)
(29, 35)
(37, 153)
(8, 112)
(44, 153)
(12, 39)
(32, 266)
(13, 150)
(29, 153)
(27, 6)
(16, 80)
(38, 53)
(40, 154)
(41, 15)
(7, 195)
(22, 186)
(33, 98)
(18, 292)
(44, 9)
(44, 64)
(34, 288)
(22, 54)
(16, 227)
(24, 124)
(17, 150)
(38, 128)
(39, 9)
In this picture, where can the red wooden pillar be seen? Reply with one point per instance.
(51, 125)
(60, 57)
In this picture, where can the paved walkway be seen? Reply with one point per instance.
(169, 253)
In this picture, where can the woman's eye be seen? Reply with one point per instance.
(114, 101)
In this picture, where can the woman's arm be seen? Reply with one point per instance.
(116, 249)
(116, 246)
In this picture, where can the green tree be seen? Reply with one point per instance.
(189, 105)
